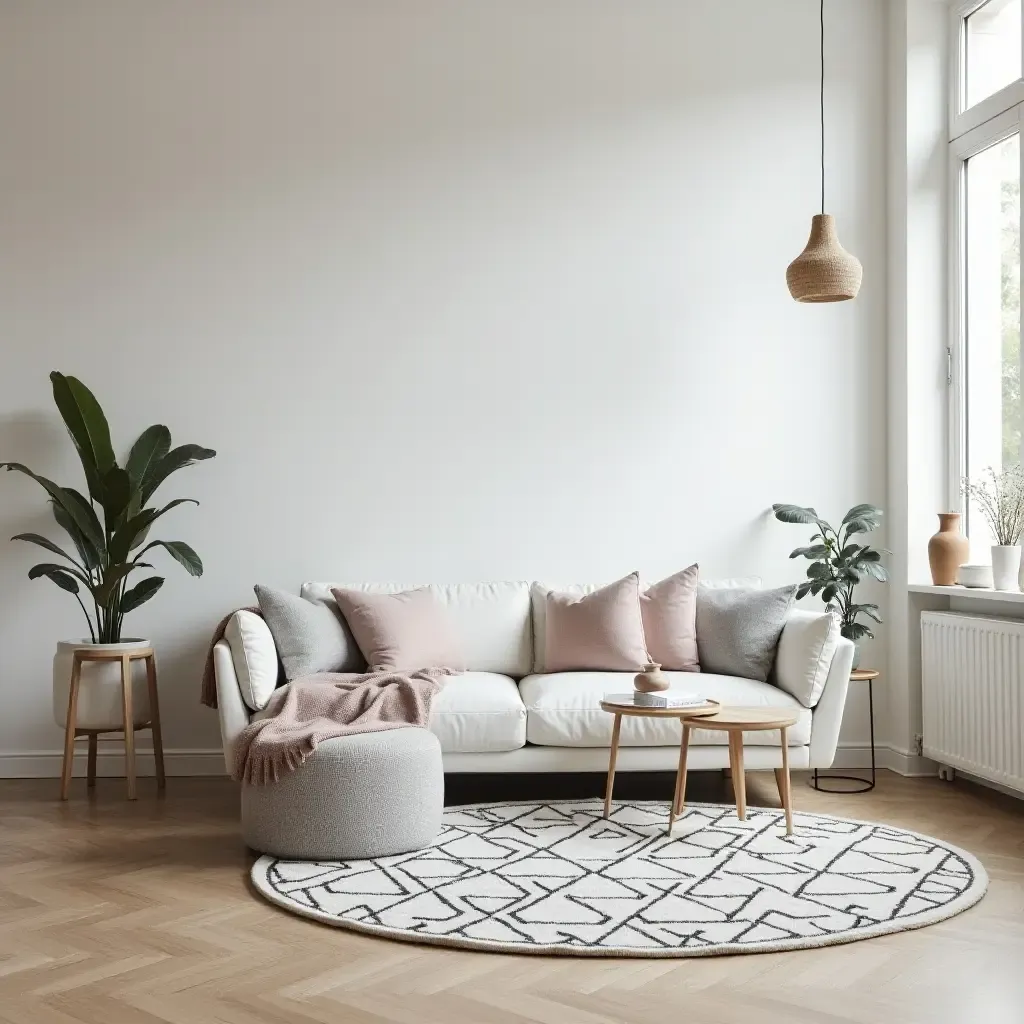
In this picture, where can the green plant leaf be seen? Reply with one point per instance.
(180, 552)
(153, 444)
(818, 571)
(855, 631)
(88, 428)
(866, 512)
(867, 555)
(105, 591)
(829, 593)
(795, 514)
(61, 577)
(860, 526)
(140, 593)
(876, 570)
(44, 542)
(117, 492)
(79, 510)
(177, 458)
(803, 590)
(870, 610)
(86, 551)
(814, 551)
(49, 568)
(849, 551)
(133, 532)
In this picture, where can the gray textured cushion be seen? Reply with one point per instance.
(738, 630)
(373, 794)
(310, 636)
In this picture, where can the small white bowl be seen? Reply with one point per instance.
(977, 576)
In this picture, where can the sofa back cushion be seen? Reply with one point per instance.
(539, 592)
(601, 631)
(806, 648)
(491, 621)
(401, 632)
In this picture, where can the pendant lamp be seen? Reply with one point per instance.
(824, 271)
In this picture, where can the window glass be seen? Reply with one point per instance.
(992, 271)
(993, 57)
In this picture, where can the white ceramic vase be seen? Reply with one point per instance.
(1005, 567)
(99, 692)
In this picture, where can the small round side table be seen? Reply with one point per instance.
(71, 732)
(858, 675)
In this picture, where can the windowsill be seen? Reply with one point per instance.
(970, 593)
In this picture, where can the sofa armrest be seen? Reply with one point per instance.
(231, 709)
(827, 716)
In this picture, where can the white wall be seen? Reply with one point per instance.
(459, 289)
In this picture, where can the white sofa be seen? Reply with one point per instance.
(505, 714)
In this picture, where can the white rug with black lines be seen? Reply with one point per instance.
(555, 877)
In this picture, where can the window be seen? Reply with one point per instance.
(986, 413)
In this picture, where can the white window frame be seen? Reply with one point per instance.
(971, 131)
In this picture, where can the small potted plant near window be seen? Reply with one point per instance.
(109, 529)
(838, 564)
(1000, 498)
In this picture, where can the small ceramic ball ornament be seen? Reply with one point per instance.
(651, 680)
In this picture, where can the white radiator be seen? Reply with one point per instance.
(972, 688)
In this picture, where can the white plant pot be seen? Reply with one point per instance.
(1005, 567)
(99, 690)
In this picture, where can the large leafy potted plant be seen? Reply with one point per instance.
(109, 532)
(838, 564)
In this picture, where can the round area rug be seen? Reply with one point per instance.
(557, 878)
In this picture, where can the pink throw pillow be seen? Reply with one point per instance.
(600, 632)
(669, 611)
(401, 632)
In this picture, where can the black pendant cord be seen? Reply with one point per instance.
(822, 95)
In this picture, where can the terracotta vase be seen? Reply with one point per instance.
(947, 550)
(651, 680)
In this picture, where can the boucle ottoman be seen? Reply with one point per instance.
(372, 794)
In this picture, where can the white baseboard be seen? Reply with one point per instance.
(858, 757)
(46, 764)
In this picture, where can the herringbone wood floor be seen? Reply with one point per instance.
(118, 913)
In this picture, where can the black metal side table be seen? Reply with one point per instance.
(858, 675)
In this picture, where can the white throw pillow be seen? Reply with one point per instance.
(806, 648)
(254, 656)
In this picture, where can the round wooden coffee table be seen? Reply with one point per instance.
(710, 707)
(737, 721)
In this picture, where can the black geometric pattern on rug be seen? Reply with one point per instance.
(556, 877)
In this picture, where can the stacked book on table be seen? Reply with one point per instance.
(663, 699)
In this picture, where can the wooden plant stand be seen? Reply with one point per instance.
(72, 732)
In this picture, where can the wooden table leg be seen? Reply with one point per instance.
(129, 724)
(154, 711)
(785, 790)
(91, 781)
(69, 728)
(679, 796)
(611, 765)
(739, 784)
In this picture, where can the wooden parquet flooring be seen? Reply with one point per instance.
(118, 913)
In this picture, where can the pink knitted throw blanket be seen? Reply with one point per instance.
(320, 707)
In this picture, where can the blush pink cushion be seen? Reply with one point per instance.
(669, 611)
(599, 632)
(402, 632)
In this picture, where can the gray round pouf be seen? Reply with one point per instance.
(373, 794)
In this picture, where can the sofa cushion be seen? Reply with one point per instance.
(738, 630)
(669, 611)
(602, 631)
(479, 712)
(310, 635)
(401, 632)
(563, 710)
(806, 648)
(491, 621)
(539, 591)
(254, 656)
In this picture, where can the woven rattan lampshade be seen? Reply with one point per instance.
(824, 271)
